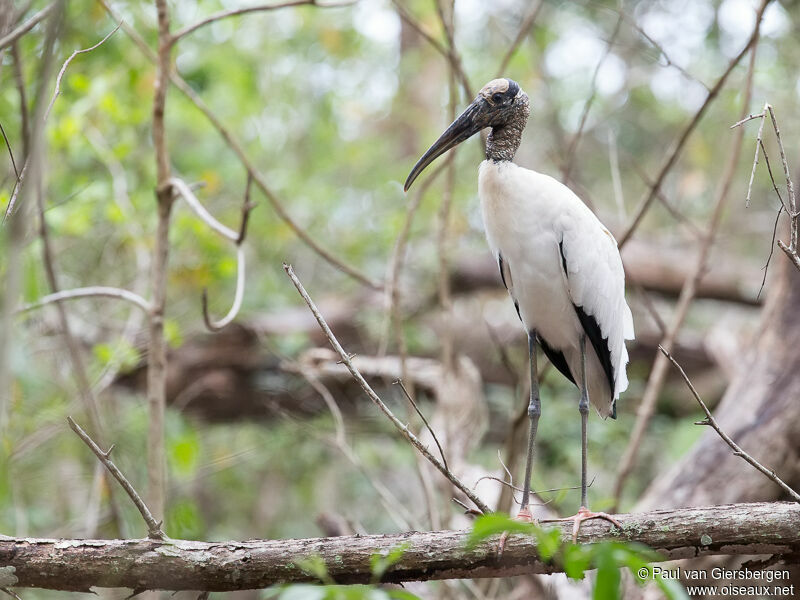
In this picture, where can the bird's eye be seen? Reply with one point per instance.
(497, 97)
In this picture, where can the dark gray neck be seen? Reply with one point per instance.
(504, 140)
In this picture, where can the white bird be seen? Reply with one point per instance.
(558, 262)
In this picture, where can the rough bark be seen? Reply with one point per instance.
(78, 565)
(759, 411)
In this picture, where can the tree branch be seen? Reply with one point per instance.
(677, 147)
(233, 143)
(712, 422)
(346, 359)
(97, 291)
(224, 14)
(153, 527)
(78, 565)
(12, 36)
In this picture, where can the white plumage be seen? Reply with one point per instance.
(560, 265)
(529, 218)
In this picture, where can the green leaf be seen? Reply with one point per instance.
(495, 524)
(548, 542)
(401, 595)
(380, 563)
(608, 576)
(577, 559)
(315, 565)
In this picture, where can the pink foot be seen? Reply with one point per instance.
(523, 515)
(584, 514)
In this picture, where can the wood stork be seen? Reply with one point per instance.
(558, 262)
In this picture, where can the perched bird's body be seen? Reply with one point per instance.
(530, 219)
(558, 262)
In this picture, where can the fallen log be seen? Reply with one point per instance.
(79, 565)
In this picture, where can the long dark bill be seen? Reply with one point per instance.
(464, 127)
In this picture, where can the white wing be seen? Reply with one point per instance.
(596, 283)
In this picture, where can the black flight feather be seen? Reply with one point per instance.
(592, 330)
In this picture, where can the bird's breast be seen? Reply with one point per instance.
(524, 225)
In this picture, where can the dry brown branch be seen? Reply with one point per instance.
(677, 147)
(78, 565)
(658, 373)
(710, 421)
(406, 432)
(17, 33)
(424, 420)
(225, 14)
(658, 269)
(153, 527)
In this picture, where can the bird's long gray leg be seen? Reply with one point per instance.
(534, 411)
(583, 408)
(584, 514)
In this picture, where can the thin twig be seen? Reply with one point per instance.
(236, 147)
(97, 291)
(424, 420)
(394, 508)
(677, 147)
(793, 215)
(153, 526)
(224, 14)
(755, 158)
(57, 90)
(772, 178)
(11, 593)
(12, 201)
(186, 193)
(771, 251)
(406, 432)
(12, 36)
(712, 422)
(668, 61)
(10, 153)
(237, 298)
(156, 342)
(237, 237)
